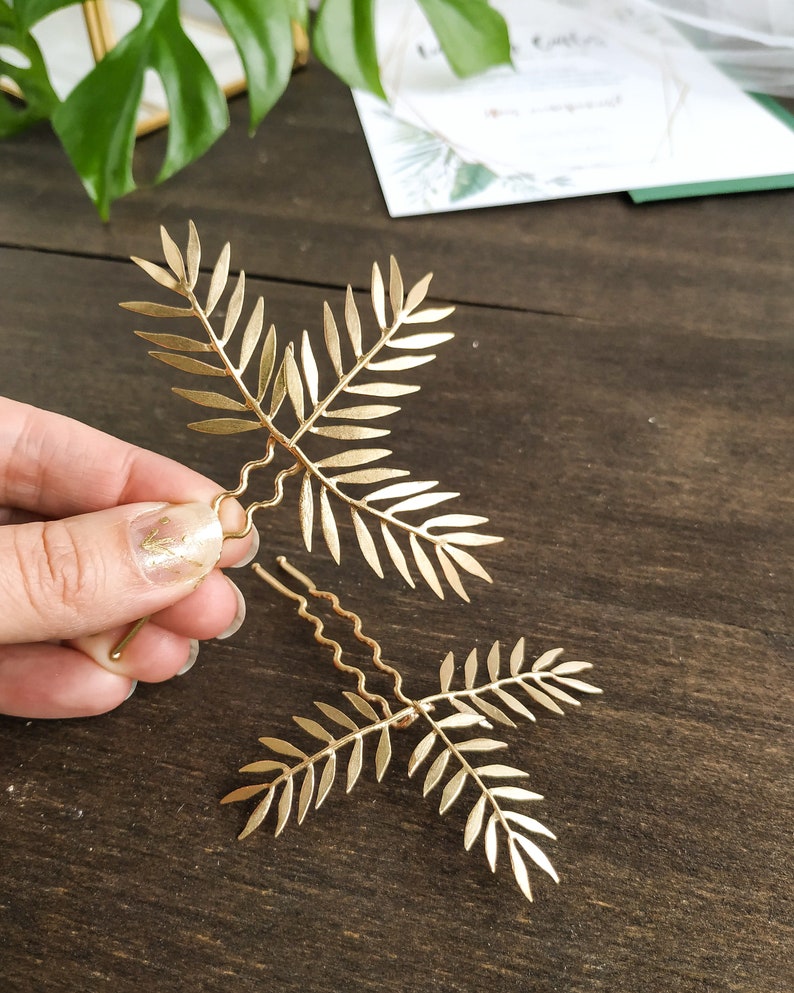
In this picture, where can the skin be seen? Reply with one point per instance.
(70, 589)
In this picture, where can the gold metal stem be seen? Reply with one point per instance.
(320, 638)
(245, 472)
(275, 500)
(361, 363)
(471, 771)
(389, 720)
(115, 654)
(355, 620)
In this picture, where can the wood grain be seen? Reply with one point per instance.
(618, 400)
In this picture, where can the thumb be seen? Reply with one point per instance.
(63, 579)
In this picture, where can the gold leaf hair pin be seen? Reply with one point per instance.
(305, 435)
(452, 720)
(308, 430)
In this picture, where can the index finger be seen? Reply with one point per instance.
(58, 467)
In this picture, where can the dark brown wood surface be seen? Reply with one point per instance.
(618, 400)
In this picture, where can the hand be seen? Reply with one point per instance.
(95, 534)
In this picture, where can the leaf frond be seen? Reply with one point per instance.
(455, 766)
(316, 381)
(312, 776)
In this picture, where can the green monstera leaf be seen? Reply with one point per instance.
(472, 35)
(110, 94)
(27, 71)
(97, 120)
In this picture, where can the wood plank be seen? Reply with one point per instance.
(705, 264)
(641, 474)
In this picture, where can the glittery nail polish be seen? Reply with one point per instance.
(177, 543)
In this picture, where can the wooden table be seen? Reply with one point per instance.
(618, 401)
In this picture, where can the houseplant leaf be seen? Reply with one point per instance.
(344, 39)
(262, 34)
(27, 71)
(30, 12)
(96, 122)
(109, 95)
(472, 35)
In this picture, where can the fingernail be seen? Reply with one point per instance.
(191, 659)
(132, 690)
(239, 617)
(250, 554)
(177, 543)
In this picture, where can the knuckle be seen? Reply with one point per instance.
(63, 579)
